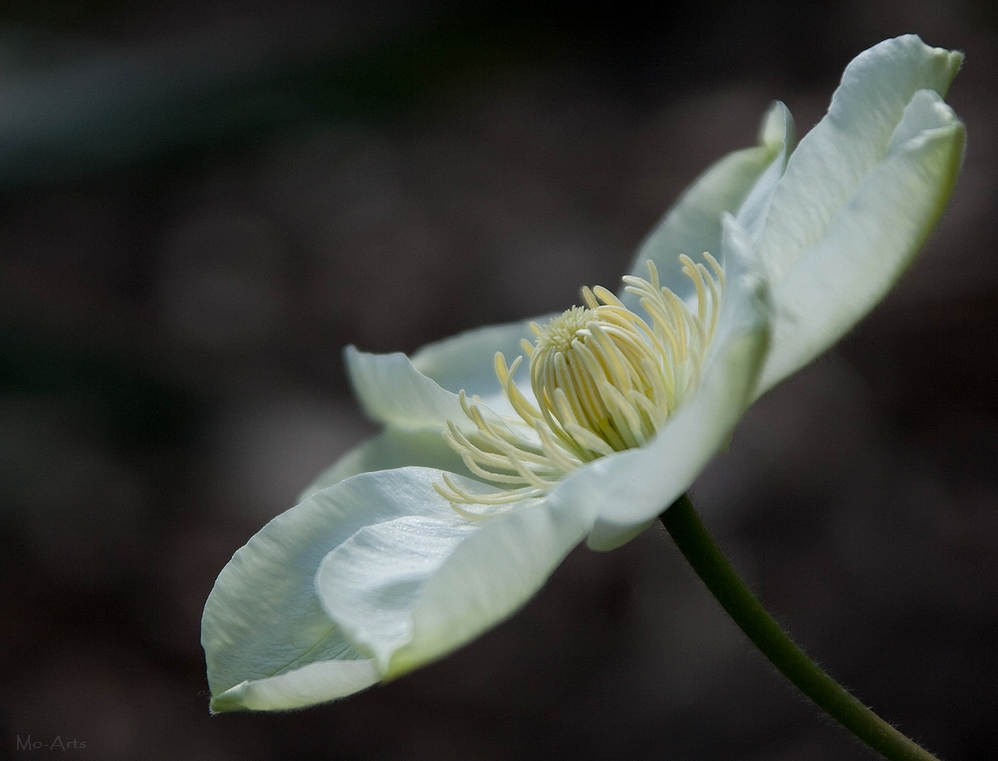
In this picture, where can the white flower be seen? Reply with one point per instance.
(412, 545)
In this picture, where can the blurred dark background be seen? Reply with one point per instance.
(201, 203)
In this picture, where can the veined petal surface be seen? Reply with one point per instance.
(413, 589)
(870, 241)
(693, 224)
(268, 644)
(833, 159)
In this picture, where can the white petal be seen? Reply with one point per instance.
(392, 448)
(413, 589)
(693, 225)
(317, 682)
(630, 488)
(753, 212)
(393, 392)
(268, 644)
(372, 582)
(870, 241)
(421, 392)
(465, 361)
(832, 160)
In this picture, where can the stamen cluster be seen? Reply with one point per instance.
(604, 379)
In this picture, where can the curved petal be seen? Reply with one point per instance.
(394, 392)
(268, 644)
(753, 212)
(869, 242)
(465, 361)
(392, 448)
(317, 682)
(413, 589)
(833, 159)
(629, 489)
(421, 392)
(693, 225)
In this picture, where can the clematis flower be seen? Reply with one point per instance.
(505, 447)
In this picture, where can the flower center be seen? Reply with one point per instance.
(604, 379)
(599, 372)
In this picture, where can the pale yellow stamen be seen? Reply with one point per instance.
(604, 379)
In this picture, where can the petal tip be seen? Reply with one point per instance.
(777, 126)
(228, 701)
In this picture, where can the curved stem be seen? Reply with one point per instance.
(690, 535)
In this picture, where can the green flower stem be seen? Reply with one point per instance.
(690, 535)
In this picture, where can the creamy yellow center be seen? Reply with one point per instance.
(604, 380)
